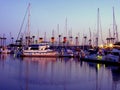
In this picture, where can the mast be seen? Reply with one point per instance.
(113, 24)
(85, 40)
(109, 39)
(100, 28)
(115, 32)
(37, 36)
(97, 36)
(28, 30)
(58, 29)
(45, 37)
(18, 37)
(70, 37)
(53, 37)
(77, 39)
(59, 36)
(53, 33)
(66, 26)
(109, 33)
(65, 37)
(11, 37)
(29, 20)
(90, 40)
(117, 38)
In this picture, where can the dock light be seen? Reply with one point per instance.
(64, 39)
(99, 57)
(40, 39)
(111, 45)
(52, 39)
(101, 46)
(106, 46)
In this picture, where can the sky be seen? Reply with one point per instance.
(45, 15)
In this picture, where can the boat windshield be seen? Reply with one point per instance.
(36, 47)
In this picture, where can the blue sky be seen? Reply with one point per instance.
(46, 14)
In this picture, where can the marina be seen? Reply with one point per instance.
(56, 73)
(60, 45)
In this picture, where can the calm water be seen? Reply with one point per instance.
(56, 74)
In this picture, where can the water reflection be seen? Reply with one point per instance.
(56, 74)
(115, 77)
(3, 56)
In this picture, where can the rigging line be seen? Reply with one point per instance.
(23, 22)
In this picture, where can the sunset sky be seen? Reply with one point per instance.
(46, 14)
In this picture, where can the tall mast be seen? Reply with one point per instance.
(53, 35)
(115, 32)
(45, 37)
(38, 35)
(65, 37)
(66, 26)
(58, 33)
(117, 39)
(28, 9)
(28, 38)
(28, 20)
(90, 40)
(100, 30)
(113, 23)
(58, 29)
(109, 33)
(97, 36)
(109, 38)
(70, 36)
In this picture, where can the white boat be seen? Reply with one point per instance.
(39, 51)
(111, 56)
(114, 55)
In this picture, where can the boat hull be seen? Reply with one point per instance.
(39, 54)
(100, 61)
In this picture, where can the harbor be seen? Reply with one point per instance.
(60, 45)
(56, 73)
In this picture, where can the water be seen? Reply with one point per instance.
(56, 74)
